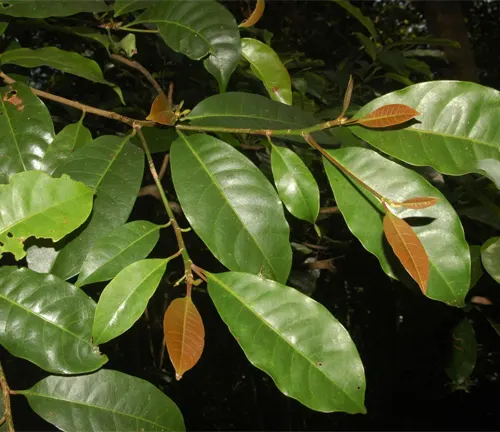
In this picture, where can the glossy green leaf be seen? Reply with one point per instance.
(123, 6)
(125, 298)
(22, 147)
(438, 227)
(491, 169)
(3, 27)
(490, 256)
(112, 253)
(296, 185)
(197, 29)
(231, 206)
(245, 110)
(456, 129)
(463, 352)
(50, 8)
(47, 321)
(476, 269)
(35, 204)
(66, 61)
(107, 400)
(113, 168)
(159, 139)
(307, 352)
(356, 13)
(267, 66)
(71, 138)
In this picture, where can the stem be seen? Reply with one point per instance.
(141, 69)
(310, 140)
(178, 233)
(6, 401)
(82, 107)
(135, 30)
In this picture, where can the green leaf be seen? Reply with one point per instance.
(438, 227)
(125, 298)
(35, 204)
(112, 253)
(491, 169)
(50, 8)
(71, 138)
(452, 140)
(197, 29)
(66, 61)
(267, 66)
(424, 40)
(47, 321)
(107, 400)
(124, 6)
(159, 139)
(231, 206)
(490, 256)
(463, 354)
(26, 131)
(291, 337)
(475, 265)
(368, 45)
(296, 185)
(113, 168)
(356, 13)
(126, 46)
(245, 110)
(3, 27)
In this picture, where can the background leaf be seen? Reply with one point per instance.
(490, 256)
(408, 248)
(107, 400)
(245, 110)
(296, 185)
(47, 321)
(112, 253)
(356, 13)
(184, 335)
(66, 61)
(159, 140)
(125, 298)
(35, 204)
(463, 352)
(23, 148)
(267, 66)
(71, 138)
(51, 8)
(197, 29)
(438, 227)
(231, 206)
(451, 141)
(323, 371)
(113, 168)
(476, 268)
(123, 6)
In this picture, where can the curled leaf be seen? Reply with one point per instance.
(408, 248)
(161, 111)
(347, 96)
(255, 16)
(417, 203)
(388, 115)
(184, 335)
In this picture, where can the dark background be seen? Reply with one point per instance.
(403, 338)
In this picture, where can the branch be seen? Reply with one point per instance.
(82, 107)
(6, 401)
(178, 232)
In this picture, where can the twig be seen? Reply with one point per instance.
(82, 107)
(329, 210)
(141, 69)
(6, 401)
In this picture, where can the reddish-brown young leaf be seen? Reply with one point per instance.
(417, 203)
(408, 248)
(255, 16)
(388, 115)
(184, 335)
(161, 111)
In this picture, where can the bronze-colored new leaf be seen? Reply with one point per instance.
(388, 115)
(184, 335)
(408, 248)
(417, 203)
(255, 16)
(161, 111)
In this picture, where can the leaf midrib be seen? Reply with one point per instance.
(245, 304)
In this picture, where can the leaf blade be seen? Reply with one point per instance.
(490, 257)
(388, 115)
